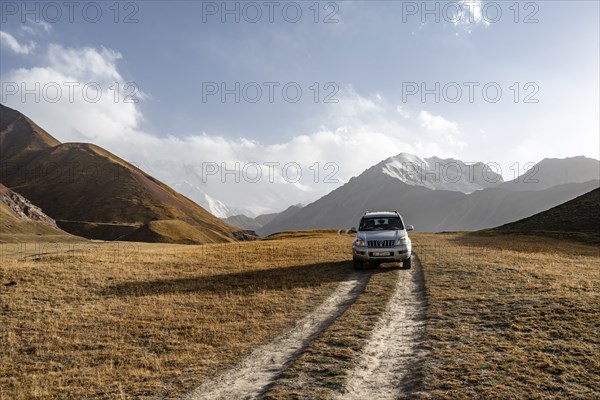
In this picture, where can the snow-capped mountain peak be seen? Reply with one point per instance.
(212, 205)
(440, 174)
(216, 207)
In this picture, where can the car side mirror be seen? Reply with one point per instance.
(352, 230)
(410, 228)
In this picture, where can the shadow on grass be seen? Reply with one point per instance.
(274, 279)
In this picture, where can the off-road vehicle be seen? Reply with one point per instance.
(381, 237)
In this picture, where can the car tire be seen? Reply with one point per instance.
(407, 264)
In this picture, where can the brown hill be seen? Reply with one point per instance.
(577, 219)
(90, 191)
(22, 221)
(252, 224)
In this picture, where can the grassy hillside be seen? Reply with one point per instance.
(83, 183)
(171, 231)
(15, 229)
(252, 224)
(22, 221)
(577, 219)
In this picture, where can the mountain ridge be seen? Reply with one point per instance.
(427, 209)
(556, 171)
(440, 174)
(84, 183)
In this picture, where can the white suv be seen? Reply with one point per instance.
(381, 237)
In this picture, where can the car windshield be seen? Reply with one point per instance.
(380, 224)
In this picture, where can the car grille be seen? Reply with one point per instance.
(380, 243)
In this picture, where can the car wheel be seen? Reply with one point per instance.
(406, 264)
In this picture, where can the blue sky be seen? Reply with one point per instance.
(367, 60)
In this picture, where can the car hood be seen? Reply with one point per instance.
(381, 235)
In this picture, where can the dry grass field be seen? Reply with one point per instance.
(510, 317)
(507, 316)
(129, 320)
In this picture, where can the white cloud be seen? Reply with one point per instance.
(85, 63)
(44, 25)
(442, 129)
(34, 27)
(471, 14)
(28, 29)
(9, 40)
(400, 110)
(436, 122)
(472, 11)
(353, 134)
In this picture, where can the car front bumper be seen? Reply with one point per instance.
(386, 254)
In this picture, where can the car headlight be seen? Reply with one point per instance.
(359, 242)
(402, 240)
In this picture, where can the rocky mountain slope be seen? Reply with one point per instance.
(19, 218)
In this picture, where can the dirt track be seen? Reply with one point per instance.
(387, 368)
(249, 379)
(389, 364)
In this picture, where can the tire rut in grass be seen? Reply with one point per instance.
(254, 374)
(320, 372)
(390, 363)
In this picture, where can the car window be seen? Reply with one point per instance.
(380, 224)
